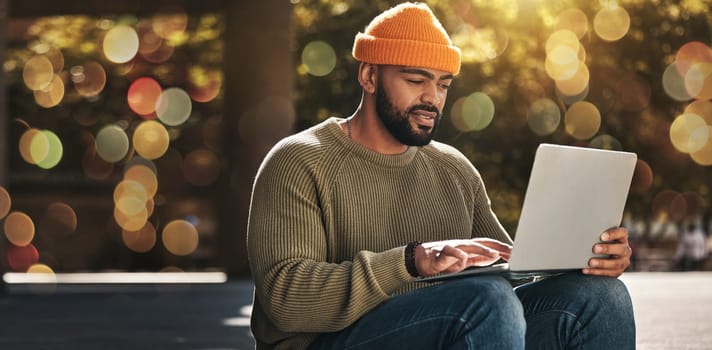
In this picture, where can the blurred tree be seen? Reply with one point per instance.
(504, 56)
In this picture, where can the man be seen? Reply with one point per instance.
(338, 212)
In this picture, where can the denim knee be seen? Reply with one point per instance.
(493, 301)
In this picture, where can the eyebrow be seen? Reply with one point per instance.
(425, 73)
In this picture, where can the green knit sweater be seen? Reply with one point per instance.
(329, 220)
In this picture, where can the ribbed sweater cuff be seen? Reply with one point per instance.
(389, 269)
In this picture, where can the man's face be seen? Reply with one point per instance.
(409, 102)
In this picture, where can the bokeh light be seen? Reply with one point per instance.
(543, 116)
(59, 220)
(642, 177)
(19, 228)
(477, 112)
(562, 63)
(38, 72)
(54, 151)
(46, 275)
(94, 166)
(34, 146)
(21, 258)
(140, 241)
(52, 53)
(689, 133)
(169, 25)
(606, 142)
(674, 81)
(576, 84)
(574, 20)
(162, 54)
(131, 222)
(89, 79)
(201, 167)
(694, 51)
(582, 120)
(5, 202)
(205, 85)
(703, 156)
(145, 176)
(702, 108)
(40, 268)
(130, 197)
(319, 58)
(173, 106)
(612, 22)
(52, 94)
(571, 99)
(120, 44)
(180, 237)
(112, 144)
(151, 139)
(671, 203)
(143, 95)
(698, 80)
(563, 37)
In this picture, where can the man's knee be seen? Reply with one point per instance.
(494, 298)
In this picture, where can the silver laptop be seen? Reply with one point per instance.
(573, 195)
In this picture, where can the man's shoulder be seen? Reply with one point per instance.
(305, 146)
(444, 152)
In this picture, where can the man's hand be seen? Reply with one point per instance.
(433, 258)
(616, 246)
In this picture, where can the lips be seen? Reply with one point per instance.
(424, 118)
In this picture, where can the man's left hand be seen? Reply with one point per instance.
(615, 245)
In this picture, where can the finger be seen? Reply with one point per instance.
(450, 259)
(479, 249)
(615, 234)
(497, 245)
(616, 249)
(619, 264)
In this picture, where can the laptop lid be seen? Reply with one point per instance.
(573, 195)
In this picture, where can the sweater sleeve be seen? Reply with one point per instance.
(484, 221)
(287, 246)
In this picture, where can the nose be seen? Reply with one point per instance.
(431, 94)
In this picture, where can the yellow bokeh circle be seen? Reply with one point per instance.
(151, 139)
(180, 237)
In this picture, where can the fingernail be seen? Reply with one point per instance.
(605, 237)
(598, 249)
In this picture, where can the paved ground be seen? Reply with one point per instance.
(673, 310)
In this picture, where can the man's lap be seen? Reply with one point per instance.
(565, 310)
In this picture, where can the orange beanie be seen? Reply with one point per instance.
(407, 35)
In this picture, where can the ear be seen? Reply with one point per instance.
(367, 75)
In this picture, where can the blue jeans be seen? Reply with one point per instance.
(568, 311)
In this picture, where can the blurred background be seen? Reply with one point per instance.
(130, 133)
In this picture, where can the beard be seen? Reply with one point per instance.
(398, 123)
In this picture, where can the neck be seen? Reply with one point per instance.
(368, 130)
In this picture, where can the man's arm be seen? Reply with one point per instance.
(288, 253)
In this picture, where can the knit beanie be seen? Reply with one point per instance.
(407, 35)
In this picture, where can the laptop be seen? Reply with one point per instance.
(574, 194)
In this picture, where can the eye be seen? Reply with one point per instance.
(445, 86)
(415, 81)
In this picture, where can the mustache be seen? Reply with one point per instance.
(424, 107)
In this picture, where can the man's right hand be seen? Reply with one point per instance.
(432, 258)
